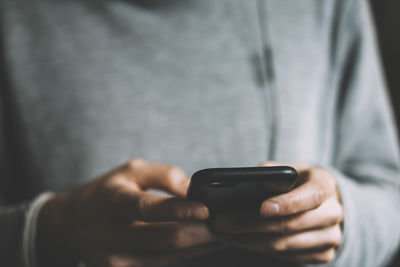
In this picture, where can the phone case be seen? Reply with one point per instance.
(240, 189)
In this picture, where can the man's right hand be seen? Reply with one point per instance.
(113, 221)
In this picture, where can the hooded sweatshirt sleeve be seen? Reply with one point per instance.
(17, 221)
(11, 217)
(367, 160)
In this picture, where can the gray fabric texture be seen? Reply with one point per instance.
(88, 85)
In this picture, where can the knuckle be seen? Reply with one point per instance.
(337, 236)
(135, 163)
(123, 261)
(326, 256)
(180, 213)
(175, 175)
(174, 171)
(329, 181)
(279, 245)
(284, 225)
(338, 214)
(290, 225)
(116, 181)
(320, 195)
(111, 261)
(290, 205)
(266, 164)
(178, 238)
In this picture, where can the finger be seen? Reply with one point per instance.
(318, 185)
(151, 207)
(314, 256)
(327, 237)
(161, 259)
(164, 236)
(235, 223)
(299, 167)
(149, 175)
(328, 214)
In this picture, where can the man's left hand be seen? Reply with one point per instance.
(303, 225)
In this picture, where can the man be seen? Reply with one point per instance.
(88, 85)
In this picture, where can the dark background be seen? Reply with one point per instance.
(387, 18)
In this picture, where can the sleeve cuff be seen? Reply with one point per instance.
(30, 227)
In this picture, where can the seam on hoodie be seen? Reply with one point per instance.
(268, 74)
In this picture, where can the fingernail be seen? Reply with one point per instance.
(269, 208)
(201, 212)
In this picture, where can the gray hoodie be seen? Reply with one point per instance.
(86, 85)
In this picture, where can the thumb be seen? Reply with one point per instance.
(150, 175)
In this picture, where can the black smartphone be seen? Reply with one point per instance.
(240, 189)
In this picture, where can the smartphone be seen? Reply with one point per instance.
(240, 189)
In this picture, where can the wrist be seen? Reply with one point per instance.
(55, 232)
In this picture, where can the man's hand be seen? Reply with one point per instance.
(302, 225)
(113, 221)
